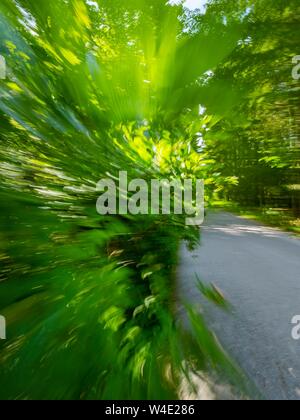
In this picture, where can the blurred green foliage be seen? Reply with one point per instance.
(257, 142)
(92, 88)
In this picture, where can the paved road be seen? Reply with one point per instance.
(258, 269)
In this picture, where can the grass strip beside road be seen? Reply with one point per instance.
(274, 217)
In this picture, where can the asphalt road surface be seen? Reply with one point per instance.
(258, 269)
